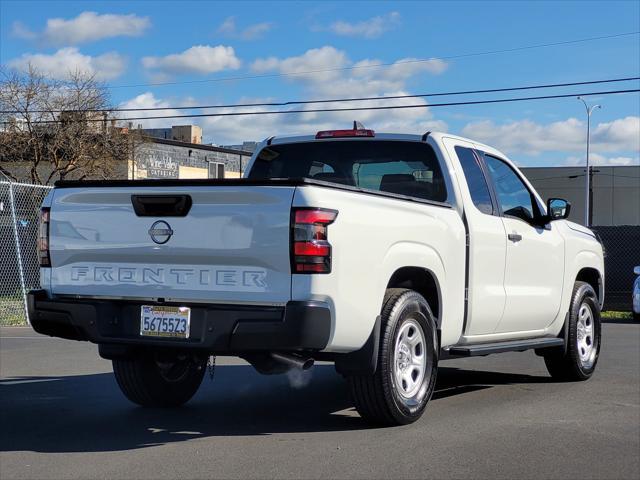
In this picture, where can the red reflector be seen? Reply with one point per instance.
(312, 249)
(312, 267)
(324, 217)
(345, 133)
(43, 238)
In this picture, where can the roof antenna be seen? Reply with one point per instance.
(357, 125)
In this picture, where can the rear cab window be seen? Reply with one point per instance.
(399, 167)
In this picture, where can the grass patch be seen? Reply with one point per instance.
(613, 315)
(12, 312)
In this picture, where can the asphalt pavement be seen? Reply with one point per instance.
(63, 416)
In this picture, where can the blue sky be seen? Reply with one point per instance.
(134, 43)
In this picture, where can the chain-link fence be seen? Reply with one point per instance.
(19, 269)
(622, 253)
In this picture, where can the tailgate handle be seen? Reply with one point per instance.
(161, 205)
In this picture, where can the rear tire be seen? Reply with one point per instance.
(636, 316)
(579, 360)
(159, 379)
(398, 393)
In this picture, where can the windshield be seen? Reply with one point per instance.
(406, 168)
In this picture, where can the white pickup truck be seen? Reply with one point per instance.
(382, 253)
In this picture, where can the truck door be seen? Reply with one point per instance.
(535, 254)
(487, 242)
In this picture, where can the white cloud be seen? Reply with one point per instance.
(624, 131)
(401, 69)
(332, 76)
(371, 28)
(68, 60)
(601, 160)
(622, 161)
(228, 27)
(86, 27)
(148, 100)
(200, 59)
(335, 83)
(251, 32)
(314, 60)
(20, 30)
(528, 137)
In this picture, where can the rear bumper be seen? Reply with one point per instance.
(231, 329)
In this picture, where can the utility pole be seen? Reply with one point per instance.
(587, 190)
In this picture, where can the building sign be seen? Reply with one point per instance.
(159, 165)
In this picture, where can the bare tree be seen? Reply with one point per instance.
(55, 130)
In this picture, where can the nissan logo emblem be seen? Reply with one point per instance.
(160, 232)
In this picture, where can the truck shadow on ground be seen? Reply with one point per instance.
(87, 413)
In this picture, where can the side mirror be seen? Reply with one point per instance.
(557, 209)
(636, 270)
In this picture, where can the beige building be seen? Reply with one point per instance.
(178, 133)
(187, 133)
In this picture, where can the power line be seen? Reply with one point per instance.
(377, 65)
(340, 100)
(358, 109)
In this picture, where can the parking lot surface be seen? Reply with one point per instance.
(62, 416)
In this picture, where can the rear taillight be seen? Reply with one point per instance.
(310, 248)
(43, 238)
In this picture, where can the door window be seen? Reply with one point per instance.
(513, 195)
(478, 187)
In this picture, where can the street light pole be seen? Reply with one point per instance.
(589, 110)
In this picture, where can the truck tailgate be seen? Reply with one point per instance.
(231, 247)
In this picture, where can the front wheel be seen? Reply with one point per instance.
(407, 363)
(578, 360)
(159, 379)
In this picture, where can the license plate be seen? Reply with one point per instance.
(161, 321)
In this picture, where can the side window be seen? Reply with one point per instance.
(514, 196)
(475, 180)
(406, 177)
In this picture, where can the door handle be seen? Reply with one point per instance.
(161, 205)
(514, 237)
